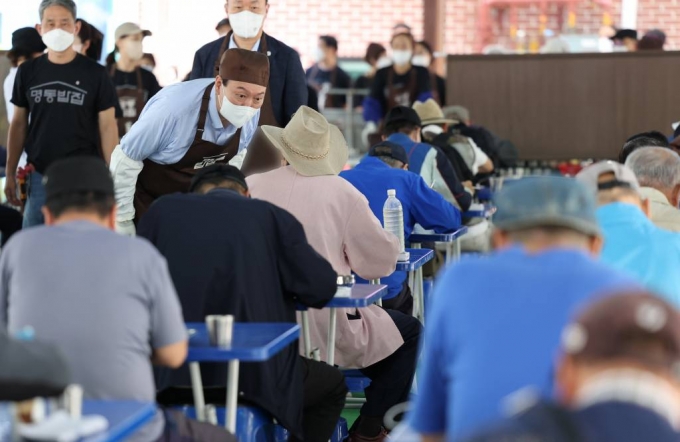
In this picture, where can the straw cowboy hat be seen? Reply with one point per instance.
(430, 113)
(310, 144)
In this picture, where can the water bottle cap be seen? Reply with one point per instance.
(392, 192)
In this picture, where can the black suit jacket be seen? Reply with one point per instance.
(229, 254)
(287, 82)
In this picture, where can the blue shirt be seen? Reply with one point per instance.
(494, 327)
(633, 244)
(420, 204)
(167, 126)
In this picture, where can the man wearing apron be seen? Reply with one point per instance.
(186, 127)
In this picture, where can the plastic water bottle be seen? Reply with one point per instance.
(393, 217)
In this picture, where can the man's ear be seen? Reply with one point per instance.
(500, 239)
(78, 26)
(675, 196)
(595, 245)
(646, 207)
(49, 218)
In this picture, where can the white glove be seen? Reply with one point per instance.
(369, 129)
(126, 228)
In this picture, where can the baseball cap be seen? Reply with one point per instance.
(27, 39)
(218, 171)
(615, 326)
(625, 33)
(389, 149)
(623, 176)
(127, 29)
(399, 114)
(246, 66)
(546, 202)
(78, 174)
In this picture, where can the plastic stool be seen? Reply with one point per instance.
(252, 424)
(356, 381)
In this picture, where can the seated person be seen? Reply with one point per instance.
(340, 226)
(658, 172)
(632, 243)
(205, 246)
(617, 378)
(436, 132)
(112, 309)
(30, 369)
(386, 167)
(644, 139)
(490, 144)
(402, 126)
(483, 344)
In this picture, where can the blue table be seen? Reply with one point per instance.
(125, 418)
(362, 295)
(251, 342)
(418, 258)
(450, 239)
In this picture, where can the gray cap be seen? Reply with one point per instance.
(546, 202)
(623, 176)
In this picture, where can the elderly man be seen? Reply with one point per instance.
(185, 128)
(341, 227)
(617, 377)
(632, 243)
(204, 245)
(63, 107)
(386, 167)
(112, 308)
(288, 87)
(658, 172)
(481, 345)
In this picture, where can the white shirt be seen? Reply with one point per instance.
(8, 88)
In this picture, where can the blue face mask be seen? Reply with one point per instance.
(116, 56)
(147, 67)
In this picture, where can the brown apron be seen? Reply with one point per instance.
(395, 95)
(131, 102)
(157, 180)
(435, 88)
(266, 111)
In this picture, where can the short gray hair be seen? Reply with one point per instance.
(68, 4)
(656, 167)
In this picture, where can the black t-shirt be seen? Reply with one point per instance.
(380, 91)
(363, 82)
(441, 89)
(337, 78)
(63, 101)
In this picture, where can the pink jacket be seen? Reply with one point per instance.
(341, 227)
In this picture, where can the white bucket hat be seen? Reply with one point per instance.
(310, 144)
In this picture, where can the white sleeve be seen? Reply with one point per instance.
(480, 157)
(125, 171)
(238, 159)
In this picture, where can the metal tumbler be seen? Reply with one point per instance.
(220, 329)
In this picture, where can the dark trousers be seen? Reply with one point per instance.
(391, 378)
(403, 302)
(179, 428)
(10, 223)
(323, 398)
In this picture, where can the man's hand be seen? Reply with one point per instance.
(469, 186)
(11, 190)
(126, 228)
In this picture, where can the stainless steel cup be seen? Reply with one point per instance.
(220, 329)
(73, 401)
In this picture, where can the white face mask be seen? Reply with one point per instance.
(383, 62)
(236, 115)
(319, 54)
(78, 48)
(421, 60)
(401, 57)
(147, 67)
(246, 24)
(133, 49)
(58, 40)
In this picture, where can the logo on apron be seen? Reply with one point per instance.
(209, 161)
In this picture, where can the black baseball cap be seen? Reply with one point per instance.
(218, 171)
(78, 174)
(399, 114)
(27, 39)
(625, 33)
(389, 149)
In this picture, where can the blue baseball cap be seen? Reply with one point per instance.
(546, 202)
(389, 149)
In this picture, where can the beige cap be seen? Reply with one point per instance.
(127, 29)
(623, 176)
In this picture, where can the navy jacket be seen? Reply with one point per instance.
(229, 254)
(287, 81)
(420, 204)
(604, 422)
